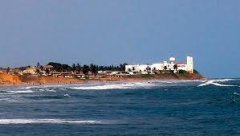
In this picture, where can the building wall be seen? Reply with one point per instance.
(160, 66)
(157, 66)
(182, 67)
(129, 68)
(137, 68)
(190, 67)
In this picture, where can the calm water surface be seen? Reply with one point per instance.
(145, 108)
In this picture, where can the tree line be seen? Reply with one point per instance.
(85, 68)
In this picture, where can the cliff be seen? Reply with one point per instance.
(8, 79)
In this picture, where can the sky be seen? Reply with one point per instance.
(115, 31)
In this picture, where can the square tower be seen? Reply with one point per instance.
(190, 67)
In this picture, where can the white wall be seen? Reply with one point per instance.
(190, 67)
(160, 66)
(137, 68)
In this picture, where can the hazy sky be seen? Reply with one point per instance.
(115, 31)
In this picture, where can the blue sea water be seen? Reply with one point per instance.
(142, 108)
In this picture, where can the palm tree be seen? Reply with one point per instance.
(74, 67)
(94, 69)
(78, 68)
(85, 69)
(148, 69)
(175, 67)
(155, 70)
(165, 67)
(122, 66)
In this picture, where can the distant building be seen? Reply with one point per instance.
(48, 67)
(164, 66)
(137, 68)
(30, 70)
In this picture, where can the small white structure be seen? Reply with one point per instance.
(32, 70)
(165, 65)
(190, 67)
(143, 69)
(172, 59)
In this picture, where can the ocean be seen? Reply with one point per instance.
(152, 108)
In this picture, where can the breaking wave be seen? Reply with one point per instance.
(51, 121)
(134, 85)
(115, 86)
(217, 82)
(100, 86)
(41, 86)
(20, 92)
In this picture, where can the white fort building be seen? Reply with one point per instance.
(171, 65)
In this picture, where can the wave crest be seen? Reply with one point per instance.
(48, 121)
(217, 82)
(114, 86)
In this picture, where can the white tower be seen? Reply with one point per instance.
(172, 59)
(190, 67)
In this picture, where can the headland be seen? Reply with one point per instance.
(57, 73)
(16, 80)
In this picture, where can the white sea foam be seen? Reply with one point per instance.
(20, 91)
(66, 95)
(222, 80)
(29, 87)
(236, 93)
(217, 82)
(101, 87)
(8, 100)
(47, 90)
(48, 121)
(41, 86)
(132, 85)
(114, 86)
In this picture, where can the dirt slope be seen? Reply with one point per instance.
(7, 79)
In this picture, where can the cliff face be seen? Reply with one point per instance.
(48, 80)
(7, 79)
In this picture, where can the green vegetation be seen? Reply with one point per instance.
(195, 71)
(183, 73)
(85, 68)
